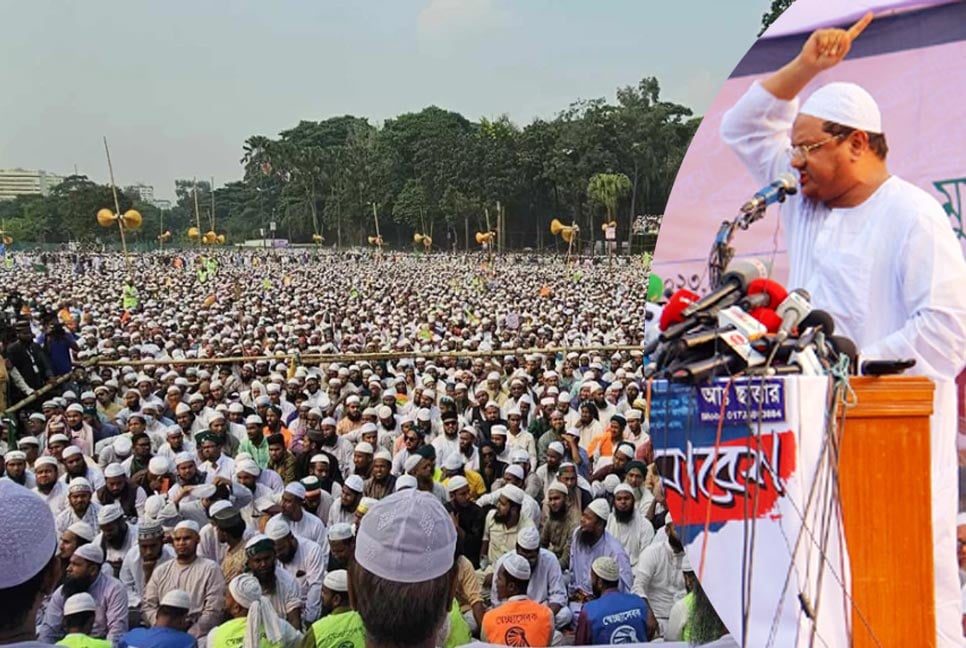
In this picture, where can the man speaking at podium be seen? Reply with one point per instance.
(873, 250)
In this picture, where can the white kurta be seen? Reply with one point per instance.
(633, 535)
(308, 567)
(891, 274)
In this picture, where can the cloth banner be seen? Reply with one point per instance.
(739, 498)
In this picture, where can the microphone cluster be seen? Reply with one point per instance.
(750, 325)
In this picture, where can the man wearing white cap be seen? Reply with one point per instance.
(341, 626)
(79, 622)
(15, 469)
(140, 562)
(76, 465)
(302, 523)
(658, 577)
(170, 625)
(875, 251)
(253, 620)
(200, 577)
(85, 574)
(117, 536)
(79, 507)
(503, 524)
(612, 617)
(519, 621)
(304, 560)
(546, 578)
(626, 523)
(278, 585)
(118, 488)
(51, 489)
(589, 542)
(343, 509)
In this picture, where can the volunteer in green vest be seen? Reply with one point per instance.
(129, 295)
(79, 621)
(254, 621)
(340, 626)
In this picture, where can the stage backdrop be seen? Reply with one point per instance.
(910, 58)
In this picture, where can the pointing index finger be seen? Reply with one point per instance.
(860, 26)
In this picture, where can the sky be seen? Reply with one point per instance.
(177, 86)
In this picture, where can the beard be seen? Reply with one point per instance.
(118, 541)
(558, 515)
(355, 417)
(500, 517)
(624, 516)
(587, 538)
(76, 585)
(20, 479)
(267, 581)
(287, 556)
(675, 544)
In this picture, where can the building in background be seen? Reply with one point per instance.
(26, 182)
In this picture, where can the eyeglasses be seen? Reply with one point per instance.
(798, 154)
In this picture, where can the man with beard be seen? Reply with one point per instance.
(589, 542)
(118, 488)
(557, 525)
(628, 525)
(315, 497)
(362, 460)
(246, 475)
(273, 424)
(170, 626)
(84, 574)
(139, 564)
(226, 433)
(340, 626)
(341, 546)
(280, 459)
(77, 535)
(116, 536)
(546, 578)
(422, 466)
(498, 437)
(519, 621)
(255, 444)
(467, 448)
(612, 616)
(623, 454)
(302, 523)
(344, 508)
(213, 461)
(79, 506)
(352, 416)
(501, 528)
(51, 489)
(199, 577)
(453, 466)
(448, 442)
(305, 561)
(15, 467)
(381, 481)
(186, 473)
(412, 441)
(658, 575)
(75, 465)
(468, 517)
(553, 435)
(141, 456)
(491, 468)
(278, 586)
(175, 443)
(223, 539)
(337, 446)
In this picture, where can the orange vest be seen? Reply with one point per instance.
(519, 623)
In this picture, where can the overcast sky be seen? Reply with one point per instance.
(177, 86)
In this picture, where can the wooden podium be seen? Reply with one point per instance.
(886, 495)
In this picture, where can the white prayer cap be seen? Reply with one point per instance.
(296, 489)
(70, 451)
(177, 599)
(529, 538)
(190, 525)
(516, 566)
(686, 564)
(961, 519)
(45, 461)
(456, 483)
(498, 429)
(556, 446)
(422, 415)
(122, 446)
(75, 407)
(634, 414)
(57, 438)
(80, 485)
(563, 397)
(514, 470)
(153, 505)
(453, 461)
(253, 419)
(114, 470)
(28, 440)
(245, 589)
(512, 493)
(328, 421)
(236, 408)
(626, 449)
(15, 455)
(407, 537)
(623, 488)
(27, 536)
(368, 427)
(319, 458)
(204, 491)
(248, 467)
(82, 530)
(600, 508)
(384, 411)
(158, 466)
(340, 531)
(558, 486)
(91, 553)
(337, 580)
(82, 602)
(243, 455)
(182, 458)
(277, 528)
(364, 447)
(844, 103)
(519, 456)
(606, 568)
(383, 454)
(354, 482)
(611, 482)
(262, 504)
(218, 507)
(182, 408)
(109, 514)
(405, 482)
(411, 462)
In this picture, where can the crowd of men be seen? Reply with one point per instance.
(209, 481)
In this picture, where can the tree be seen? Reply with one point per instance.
(607, 189)
(776, 9)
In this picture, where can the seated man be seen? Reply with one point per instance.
(170, 626)
(546, 580)
(658, 577)
(519, 621)
(79, 623)
(613, 616)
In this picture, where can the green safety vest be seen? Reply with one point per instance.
(231, 634)
(343, 630)
(78, 640)
(459, 631)
(130, 297)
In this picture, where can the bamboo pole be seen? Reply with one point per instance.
(117, 206)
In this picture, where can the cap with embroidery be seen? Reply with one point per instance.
(337, 580)
(27, 536)
(606, 568)
(91, 553)
(109, 514)
(82, 602)
(516, 566)
(600, 508)
(177, 599)
(529, 538)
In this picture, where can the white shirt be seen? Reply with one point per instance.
(308, 567)
(57, 497)
(633, 535)
(658, 578)
(546, 581)
(132, 572)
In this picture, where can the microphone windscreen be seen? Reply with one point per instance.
(768, 317)
(816, 318)
(775, 291)
(675, 305)
(844, 346)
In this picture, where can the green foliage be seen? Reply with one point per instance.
(432, 171)
(776, 9)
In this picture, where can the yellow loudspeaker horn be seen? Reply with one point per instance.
(427, 242)
(105, 217)
(194, 233)
(417, 238)
(7, 240)
(484, 237)
(604, 226)
(131, 219)
(221, 239)
(317, 238)
(568, 234)
(375, 240)
(556, 226)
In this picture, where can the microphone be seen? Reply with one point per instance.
(842, 345)
(740, 273)
(818, 318)
(768, 317)
(766, 293)
(736, 355)
(783, 185)
(886, 367)
(792, 311)
(673, 311)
